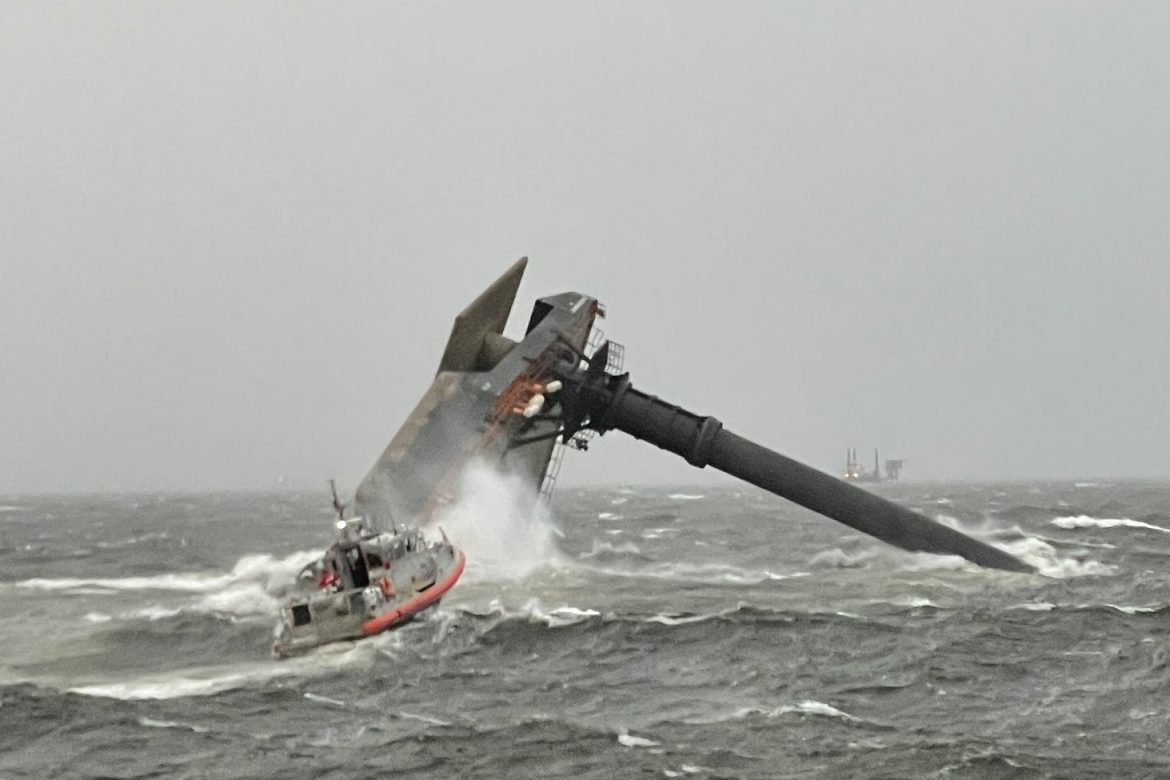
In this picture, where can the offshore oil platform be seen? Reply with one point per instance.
(516, 405)
(855, 472)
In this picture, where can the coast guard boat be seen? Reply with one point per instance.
(366, 583)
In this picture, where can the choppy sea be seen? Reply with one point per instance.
(631, 632)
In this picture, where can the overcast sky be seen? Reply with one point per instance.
(233, 236)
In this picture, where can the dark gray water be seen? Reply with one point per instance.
(663, 633)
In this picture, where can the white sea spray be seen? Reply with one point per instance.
(501, 525)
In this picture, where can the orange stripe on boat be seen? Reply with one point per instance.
(417, 603)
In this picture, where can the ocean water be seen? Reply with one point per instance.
(649, 632)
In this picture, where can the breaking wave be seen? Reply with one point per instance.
(603, 549)
(1084, 521)
(533, 611)
(190, 583)
(498, 616)
(1125, 609)
(1050, 563)
(210, 680)
(706, 573)
(171, 724)
(837, 558)
(267, 570)
(809, 707)
(180, 686)
(624, 737)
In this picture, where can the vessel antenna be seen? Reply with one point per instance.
(337, 505)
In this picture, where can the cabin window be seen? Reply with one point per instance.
(300, 615)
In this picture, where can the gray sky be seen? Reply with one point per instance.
(233, 237)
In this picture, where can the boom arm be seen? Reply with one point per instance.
(593, 399)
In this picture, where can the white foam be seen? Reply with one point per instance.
(170, 724)
(567, 616)
(739, 714)
(713, 572)
(191, 583)
(914, 602)
(950, 522)
(149, 612)
(535, 612)
(600, 547)
(1084, 521)
(922, 561)
(500, 524)
(10, 508)
(173, 688)
(807, 707)
(629, 740)
(557, 618)
(810, 707)
(1134, 610)
(206, 681)
(1044, 557)
(324, 699)
(423, 719)
(837, 558)
(703, 572)
(1020, 533)
(152, 612)
(669, 620)
(266, 569)
(1030, 549)
(686, 496)
(1045, 606)
(609, 516)
(239, 600)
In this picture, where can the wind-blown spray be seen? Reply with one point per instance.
(500, 523)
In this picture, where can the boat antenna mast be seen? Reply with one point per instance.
(338, 507)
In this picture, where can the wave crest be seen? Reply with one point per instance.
(1084, 521)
